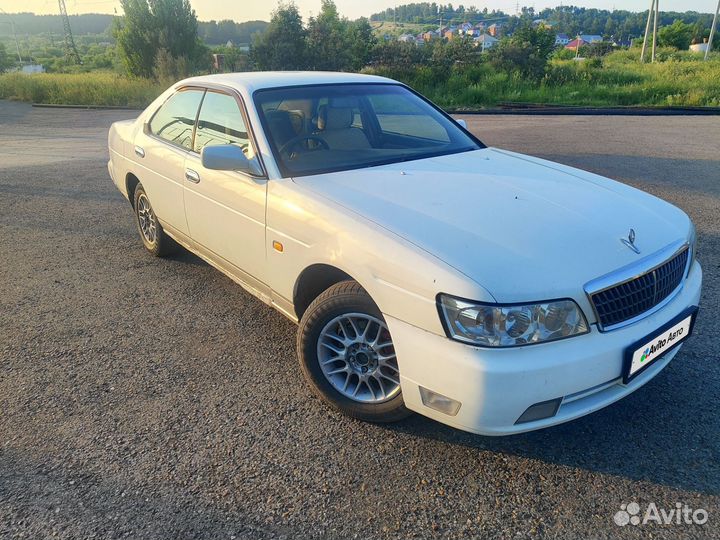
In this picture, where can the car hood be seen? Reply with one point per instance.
(523, 228)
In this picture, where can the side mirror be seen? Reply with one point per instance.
(228, 157)
(461, 123)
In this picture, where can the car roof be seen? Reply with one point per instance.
(257, 80)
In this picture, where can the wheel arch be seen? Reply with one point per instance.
(131, 184)
(313, 281)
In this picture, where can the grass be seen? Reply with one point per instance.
(382, 28)
(100, 88)
(679, 79)
(616, 80)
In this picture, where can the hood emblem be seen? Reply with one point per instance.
(630, 241)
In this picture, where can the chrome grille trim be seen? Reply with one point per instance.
(631, 282)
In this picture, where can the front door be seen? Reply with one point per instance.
(225, 209)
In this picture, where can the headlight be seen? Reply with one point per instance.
(510, 325)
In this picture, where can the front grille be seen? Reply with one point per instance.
(627, 300)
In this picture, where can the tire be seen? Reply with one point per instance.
(366, 352)
(151, 232)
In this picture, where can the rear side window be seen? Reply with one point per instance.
(175, 119)
(221, 122)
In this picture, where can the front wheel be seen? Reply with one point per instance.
(347, 355)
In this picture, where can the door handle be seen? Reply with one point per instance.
(192, 176)
(139, 151)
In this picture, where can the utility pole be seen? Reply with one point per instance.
(647, 30)
(577, 46)
(712, 32)
(70, 48)
(657, 8)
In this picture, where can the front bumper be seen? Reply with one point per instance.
(496, 386)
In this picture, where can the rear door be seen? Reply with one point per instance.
(161, 149)
(226, 209)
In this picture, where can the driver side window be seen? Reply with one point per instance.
(175, 119)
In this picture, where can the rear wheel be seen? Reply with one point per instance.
(151, 232)
(347, 355)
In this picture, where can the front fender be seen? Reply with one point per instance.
(402, 279)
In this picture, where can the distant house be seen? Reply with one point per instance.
(32, 68)
(575, 44)
(406, 38)
(466, 26)
(485, 41)
(624, 43)
(429, 36)
(591, 38)
(495, 29)
(480, 26)
(229, 44)
(562, 39)
(699, 47)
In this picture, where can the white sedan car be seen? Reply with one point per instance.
(489, 290)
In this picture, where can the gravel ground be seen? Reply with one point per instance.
(154, 398)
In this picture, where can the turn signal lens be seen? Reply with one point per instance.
(439, 402)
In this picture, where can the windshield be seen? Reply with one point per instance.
(325, 128)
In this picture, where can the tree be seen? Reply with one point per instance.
(282, 45)
(330, 42)
(327, 39)
(459, 50)
(610, 27)
(678, 35)
(155, 31)
(399, 56)
(336, 44)
(527, 51)
(361, 42)
(597, 50)
(5, 60)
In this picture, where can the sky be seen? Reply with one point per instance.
(245, 10)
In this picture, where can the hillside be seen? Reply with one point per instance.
(211, 32)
